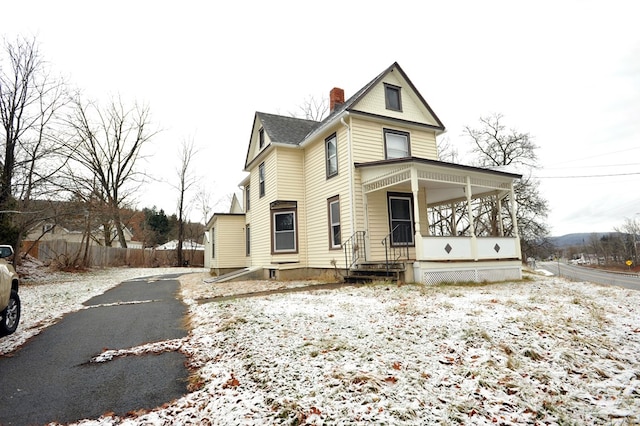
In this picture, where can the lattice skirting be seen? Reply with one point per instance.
(431, 277)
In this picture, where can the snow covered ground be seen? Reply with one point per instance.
(540, 351)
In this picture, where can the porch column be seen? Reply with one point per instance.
(500, 224)
(415, 189)
(472, 228)
(515, 222)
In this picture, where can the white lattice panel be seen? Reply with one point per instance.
(474, 275)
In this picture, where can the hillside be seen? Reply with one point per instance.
(577, 239)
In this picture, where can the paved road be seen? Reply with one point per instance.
(631, 280)
(49, 379)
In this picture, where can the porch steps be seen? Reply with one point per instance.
(369, 272)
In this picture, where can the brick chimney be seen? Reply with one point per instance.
(336, 98)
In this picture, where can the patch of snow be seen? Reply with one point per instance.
(547, 351)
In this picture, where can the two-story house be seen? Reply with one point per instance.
(363, 188)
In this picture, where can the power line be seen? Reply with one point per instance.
(587, 176)
(591, 167)
(595, 156)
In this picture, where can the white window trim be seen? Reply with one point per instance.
(333, 223)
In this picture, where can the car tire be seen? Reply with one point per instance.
(11, 315)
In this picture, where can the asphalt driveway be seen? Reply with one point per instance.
(50, 377)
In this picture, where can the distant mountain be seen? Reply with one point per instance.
(577, 239)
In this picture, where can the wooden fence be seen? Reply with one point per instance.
(70, 254)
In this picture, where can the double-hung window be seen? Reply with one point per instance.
(261, 179)
(401, 219)
(261, 138)
(247, 194)
(335, 241)
(331, 151)
(247, 240)
(284, 231)
(392, 98)
(396, 144)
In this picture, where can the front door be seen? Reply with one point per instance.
(401, 219)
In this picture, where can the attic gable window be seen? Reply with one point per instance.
(331, 150)
(396, 144)
(261, 137)
(392, 98)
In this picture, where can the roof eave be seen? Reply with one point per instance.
(436, 163)
(323, 127)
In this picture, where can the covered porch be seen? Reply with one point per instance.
(442, 221)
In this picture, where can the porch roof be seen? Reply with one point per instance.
(444, 182)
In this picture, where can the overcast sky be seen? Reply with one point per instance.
(567, 72)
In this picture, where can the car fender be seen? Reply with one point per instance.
(6, 280)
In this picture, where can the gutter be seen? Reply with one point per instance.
(310, 136)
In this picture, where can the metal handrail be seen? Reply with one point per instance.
(354, 249)
(397, 250)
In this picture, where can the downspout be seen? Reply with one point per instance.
(306, 211)
(352, 183)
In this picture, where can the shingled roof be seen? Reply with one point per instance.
(294, 131)
(286, 130)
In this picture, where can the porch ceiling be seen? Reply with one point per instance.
(442, 182)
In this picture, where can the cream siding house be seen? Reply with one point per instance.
(363, 191)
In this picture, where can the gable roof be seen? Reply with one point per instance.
(281, 130)
(236, 206)
(295, 131)
(287, 130)
(349, 103)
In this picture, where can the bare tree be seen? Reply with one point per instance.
(498, 147)
(108, 145)
(495, 145)
(449, 219)
(447, 151)
(312, 108)
(630, 233)
(203, 201)
(31, 101)
(186, 180)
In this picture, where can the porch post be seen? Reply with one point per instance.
(415, 189)
(515, 222)
(500, 224)
(472, 228)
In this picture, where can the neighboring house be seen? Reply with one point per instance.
(47, 231)
(186, 245)
(361, 189)
(98, 237)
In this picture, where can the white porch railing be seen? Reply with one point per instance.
(467, 248)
